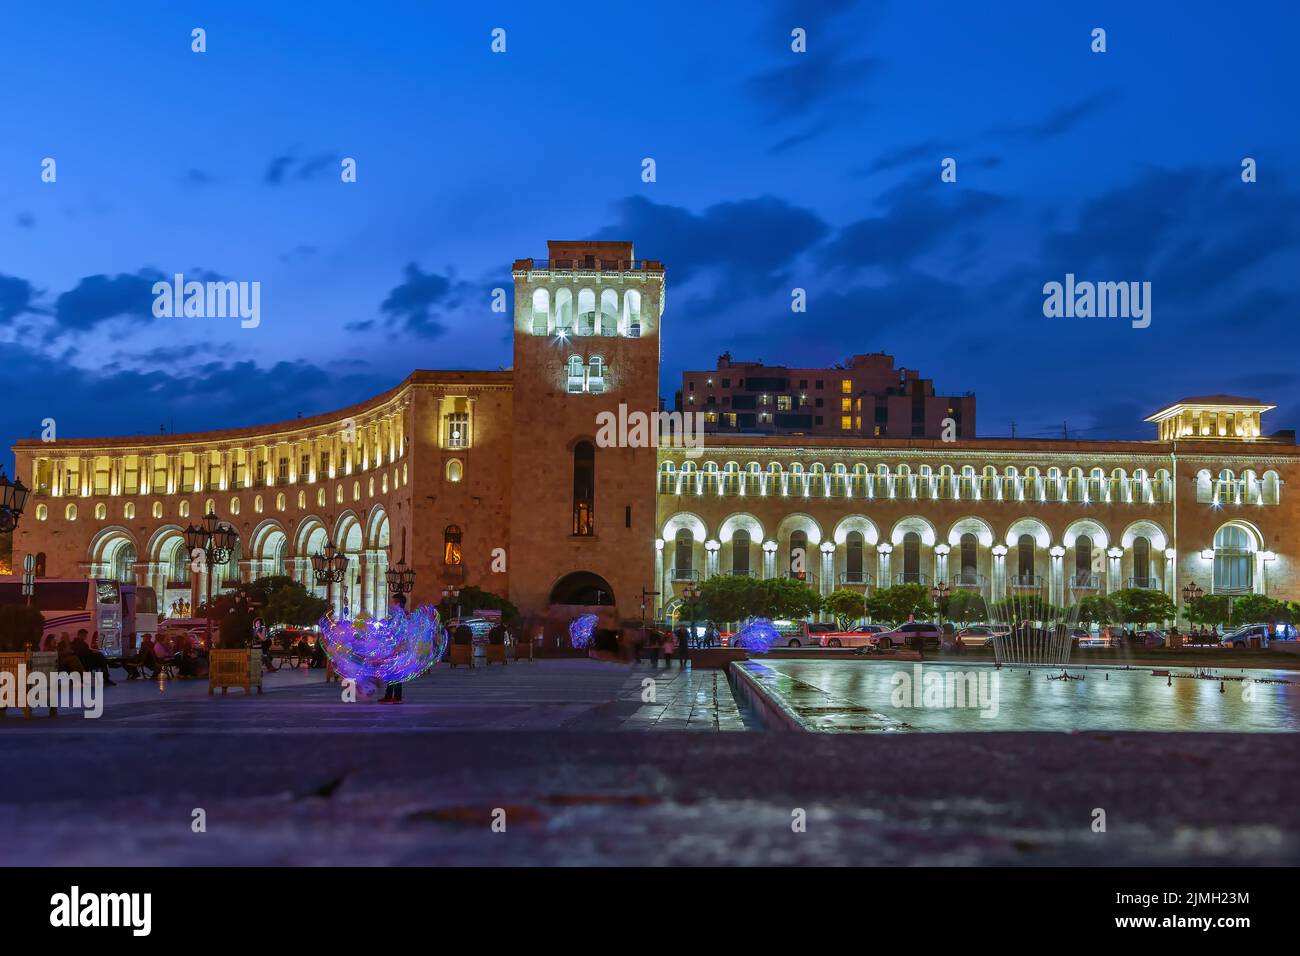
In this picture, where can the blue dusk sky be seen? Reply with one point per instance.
(775, 170)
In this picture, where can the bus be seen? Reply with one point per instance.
(113, 614)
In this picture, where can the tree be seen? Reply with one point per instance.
(1098, 609)
(1143, 606)
(846, 604)
(787, 598)
(1209, 609)
(895, 605)
(729, 597)
(1258, 609)
(964, 607)
(294, 605)
(21, 628)
(476, 599)
(1025, 607)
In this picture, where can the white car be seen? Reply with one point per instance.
(862, 636)
(982, 635)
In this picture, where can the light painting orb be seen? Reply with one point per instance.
(394, 650)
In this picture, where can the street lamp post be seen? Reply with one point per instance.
(1191, 592)
(451, 594)
(210, 545)
(940, 593)
(13, 498)
(329, 566)
(401, 579)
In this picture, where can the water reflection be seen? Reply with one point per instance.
(880, 695)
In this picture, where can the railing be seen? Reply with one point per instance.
(855, 577)
(911, 577)
(685, 574)
(1025, 581)
(178, 585)
(739, 574)
(596, 265)
(1145, 584)
(968, 579)
(1085, 582)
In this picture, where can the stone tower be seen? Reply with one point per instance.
(582, 516)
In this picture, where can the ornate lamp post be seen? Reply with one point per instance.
(329, 567)
(1191, 592)
(451, 595)
(940, 594)
(13, 498)
(210, 545)
(401, 579)
(691, 594)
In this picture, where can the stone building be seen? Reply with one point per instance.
(500, 480)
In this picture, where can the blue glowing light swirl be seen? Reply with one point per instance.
(395, 649)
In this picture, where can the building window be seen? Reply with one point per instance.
(783, 403)
(576, 378)
(1142, 563)
(454, 470)
(846, 422)
(853, 559)
(969, 556)
(1234, 561)
(42, 513)
(846, 386)
(304, 468)
(740, 552)
(846, 404)
(456, 430)
(451, 552)
(584, 489)
(596, 375)
(324, 470)
(683, 556)
(1025, 559)
(799, 555)
(1082, 561)
(912, 558)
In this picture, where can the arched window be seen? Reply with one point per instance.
(178, 574)
(912, 558)
(586, 312)
(563, 311)
(799, 555)
(731, 478)
(740, 552)
(42, 513)
(967, 576)
(184, 509)
(124, 563)
(1025, 561)
(1142, 563)
(584, 489)
(451, 551)
(684, 555)
(1083, 562)
(541, 311)
(279, 501)
(1234, 561)
(632, 313)
(455, 470)
(101, 511)
(853, 558)
(157, 509)
(234, 506)
(596, 374)
(575, 374)
(609, 312)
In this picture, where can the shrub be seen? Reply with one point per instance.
(20, 627)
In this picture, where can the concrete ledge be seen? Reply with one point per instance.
(772, 712)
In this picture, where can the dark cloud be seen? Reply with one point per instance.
(16, 297)
(809, 80)
(1063, 119)
(918, 218)
(288, 168)
(751, 242)
(99, 298)
(419, 305)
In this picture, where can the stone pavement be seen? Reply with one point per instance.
(570, 693)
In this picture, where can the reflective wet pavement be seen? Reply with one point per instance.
(874, 696)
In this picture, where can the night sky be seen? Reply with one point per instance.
(775, 170)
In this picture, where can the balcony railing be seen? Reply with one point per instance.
(860, 578)
(968, 579)
(595, 265)
(911, 577)
(1085, 582)
(685, 574)
(1025, 581)
(739, 574)
(1145, 584)
(807, 577)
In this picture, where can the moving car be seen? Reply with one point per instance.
(864, 635)
(905, 634)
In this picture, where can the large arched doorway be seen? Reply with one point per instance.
(584, 588)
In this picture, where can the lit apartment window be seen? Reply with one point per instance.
(731, 419)
(783, 403)
(846, 423)
(857, 423)
(846, 404)
(324, 470)
(846, 386)
(282, 472)
(304, 467)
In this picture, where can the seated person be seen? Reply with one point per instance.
(497, 635)
(318, 654)
(91, 660)
(68, 661)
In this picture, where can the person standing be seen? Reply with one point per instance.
(393, 691)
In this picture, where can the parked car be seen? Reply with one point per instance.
(905, 634)
(1242, 635)
(864, 635)
(982, 635)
